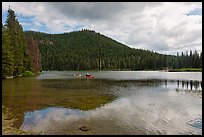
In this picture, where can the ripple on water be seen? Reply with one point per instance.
(196, 123)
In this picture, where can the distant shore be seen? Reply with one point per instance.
(24, 74)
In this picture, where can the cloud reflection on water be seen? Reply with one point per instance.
(153, 110)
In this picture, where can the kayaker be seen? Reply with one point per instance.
(77, 75)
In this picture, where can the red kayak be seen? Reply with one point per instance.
(89, 76)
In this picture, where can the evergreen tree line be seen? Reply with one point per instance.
(88, 50)
(15, 54)
(189, 60)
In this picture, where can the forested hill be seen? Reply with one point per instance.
(88, 50)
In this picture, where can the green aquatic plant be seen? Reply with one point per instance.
(28, 73)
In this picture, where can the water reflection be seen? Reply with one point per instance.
(39, 120)
(151, 108)
(189, 85)
(129, 103)
(197, 123)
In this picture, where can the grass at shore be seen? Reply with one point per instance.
(28, 73)
(186, 70)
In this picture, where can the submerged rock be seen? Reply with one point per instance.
(84, 128)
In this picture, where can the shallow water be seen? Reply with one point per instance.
(121, 102)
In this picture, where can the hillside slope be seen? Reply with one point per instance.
(88, 50)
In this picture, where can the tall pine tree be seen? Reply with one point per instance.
(7, 54)
(15, 56)
(17, 39)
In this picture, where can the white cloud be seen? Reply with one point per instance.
(162, 27)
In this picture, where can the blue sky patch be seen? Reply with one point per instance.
(195, 12)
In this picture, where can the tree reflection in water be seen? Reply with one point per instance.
(189, 85)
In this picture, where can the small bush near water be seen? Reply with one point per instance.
(28, 73)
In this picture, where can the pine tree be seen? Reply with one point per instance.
(7, 54)
(15, 30)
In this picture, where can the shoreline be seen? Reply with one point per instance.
(7, 124)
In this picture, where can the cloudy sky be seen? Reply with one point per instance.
(166, 28)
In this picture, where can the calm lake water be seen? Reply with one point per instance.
(114, 102)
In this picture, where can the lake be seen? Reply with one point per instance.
(114, 102)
